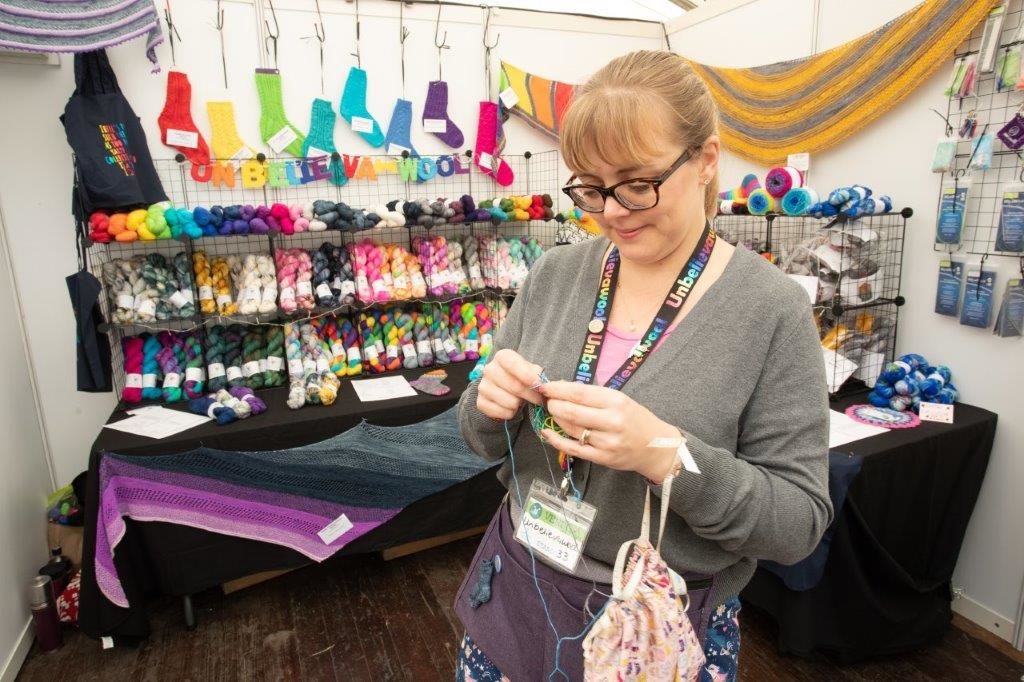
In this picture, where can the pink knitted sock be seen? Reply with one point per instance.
(486, 154)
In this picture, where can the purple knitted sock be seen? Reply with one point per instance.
(436, 110)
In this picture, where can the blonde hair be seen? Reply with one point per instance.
(622, 111)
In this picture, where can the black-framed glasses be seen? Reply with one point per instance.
(635, 194)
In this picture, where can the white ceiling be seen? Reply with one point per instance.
(650, 10)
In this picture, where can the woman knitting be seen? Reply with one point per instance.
(658, 350)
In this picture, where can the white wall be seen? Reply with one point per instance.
(893, 155)
(35, 167)
(24, 484)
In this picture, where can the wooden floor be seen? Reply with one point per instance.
(362, 618)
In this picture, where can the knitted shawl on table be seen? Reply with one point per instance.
(285, 497)
(78, 25)
(805, 105)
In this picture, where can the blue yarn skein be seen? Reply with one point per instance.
(212, 408)
(204, 219)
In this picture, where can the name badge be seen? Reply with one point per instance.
(555, 529)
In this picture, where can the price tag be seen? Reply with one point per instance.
(335, 529)
(263, 365)
(401, 282)
(353, 354)
(936, 412)
(304, 289)
(418, 283)
(322, 365)
(348, 288)
(147, 308)
(133, 381)
(287, 294)
(450, 347)
(423, 347)
(487, 161)
(554, 528)
(223, 299)
(269, 294)
(149, 381)
(234, 373)
(172, 380)
(295, 367)
(182, 138)
(472, 345)
(250, 368)
(308, 366)
(388, 281)
(408, 351)
(379, 345)
(438, 346)
(187, 295)
(251, 294)
(397, 149)
(315, 153)
(379, 288)
(509, 97)
(243, 154)
(337, 348)
(362, 125)
(435, 125)
(474, 271)
(125, 301)
(392, 352)
(282, 138)
(193, 374)
(323, 291)
(362, 283)
(371, 352)
(206, 293)
(216, 370)
(275, 363)
(486, 340)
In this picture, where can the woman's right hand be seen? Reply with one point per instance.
(506, 383)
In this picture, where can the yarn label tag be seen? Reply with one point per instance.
(392, 352)
(304, 289)
(172, 380)
(936, 412)
(379, 288)
(309, 366)
(438, 346)
(362, 283)
(250, 368)
(251, 294)
(435, 125)
(275, 363)
(295, 367)
(133, 381)
(474, 272)
(371, 352)
(379, 345)
(149, 381)
(418, 283)
(472, 345)
(322, 365)
(223, 299)
(216, 370)
(337, 348)
(556, 529)
(182, 138)
(287, 294)
(145, 305)
(282, 138)
(187, 295)
(397, 149)
(408, 351)
(126, 301)
(263, 365)
(388, 281)
(450, 347)
(206, 293)
(423, 347)
(509, 97)
(348, 288)
(193, 374)
(269, 295)
(361, 124)
(315, 153)
(486, 340)
(234, 373)
(335, 529)
(243, 154)
(178, 300)
(353, 354)
(323, 291)
(487, 161)
(401, 282)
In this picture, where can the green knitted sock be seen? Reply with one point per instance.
(275, 128)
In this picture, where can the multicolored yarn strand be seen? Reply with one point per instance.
(457, 352)
(210, 407)
(372, 344)
(392, 336)
(350, 340)
(256, 405)
(439, 334)
(470, 333)
(407, 337)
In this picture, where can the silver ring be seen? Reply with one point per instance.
(584, 437)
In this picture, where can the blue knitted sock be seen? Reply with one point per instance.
(320, 140)
(399, 137)
(353, 108)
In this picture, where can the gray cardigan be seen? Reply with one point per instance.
(742, 375)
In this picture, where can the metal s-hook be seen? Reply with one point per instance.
(359, 59)
(443, 45)
(321, 36)
(403, 33)
(172, 29)
(272, 35)
(223, 54)
(487, 49)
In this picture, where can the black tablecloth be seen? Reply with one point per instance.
(886, 585)
(179, 560)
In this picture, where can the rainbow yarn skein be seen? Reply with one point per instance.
(194, 376)
(422, 324)
(170, 367)
(392, 337)
(350, 339)
(407, 337)
(313, 363)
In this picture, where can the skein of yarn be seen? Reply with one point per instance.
(326, 297)
(268, 284)
(296, 373)
(221, 273)
(471, 252)
(392, 336)
(470, 333)
(407, 337)
(303, 279)
(372, 344)
(246, 395)
(233, 355)
(422, 323)
(210, 407)
(351, 341)
(132, 348)
(170, 367)
(275, 373)
(204, 282)
(194, 375)
(247, 283)
(287, 267)
(150, 367)
(215, 369)
(314, 364)
(253, 345)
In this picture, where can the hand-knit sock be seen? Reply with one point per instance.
(320, 140)
(353, 108)
(431, 383)
(436, 109)
(275, 128)
(224, 138)
(399, 137)
(177, 129)
(486, 153)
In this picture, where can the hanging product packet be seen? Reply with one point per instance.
(1012, 134)
(945, 152)
(947, 294)
(1008, 68)
(990, 37)
(1010, 320)
(977, 307)
(952, 209)
(1010, 234)
(956, 79)
(981, 153)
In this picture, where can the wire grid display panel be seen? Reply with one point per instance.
(994, 109)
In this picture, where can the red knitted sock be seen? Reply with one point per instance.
(177, 129)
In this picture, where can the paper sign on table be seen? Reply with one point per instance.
(843, 429)
(158, 422)
(936, 412)
(384, 388)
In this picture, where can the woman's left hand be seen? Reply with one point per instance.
(620, 429)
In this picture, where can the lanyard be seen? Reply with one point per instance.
(597, 328)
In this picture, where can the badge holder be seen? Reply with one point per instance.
(554, 527)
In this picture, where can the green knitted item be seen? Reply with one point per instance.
(272, 116)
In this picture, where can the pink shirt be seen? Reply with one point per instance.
(617, 346)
